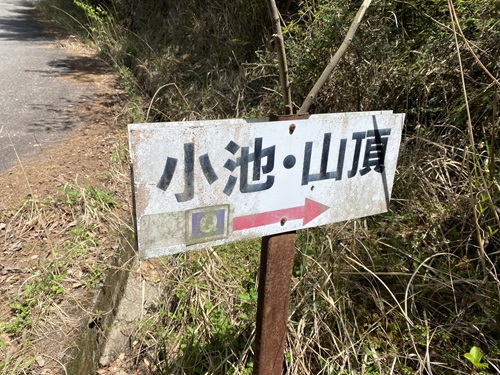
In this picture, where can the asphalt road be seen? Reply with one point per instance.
(36, 104)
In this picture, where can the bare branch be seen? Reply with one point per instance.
(335, 58)
(280, 47)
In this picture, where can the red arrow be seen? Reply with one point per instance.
(309, 211)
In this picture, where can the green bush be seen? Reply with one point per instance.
(402, 58)
(398, 293)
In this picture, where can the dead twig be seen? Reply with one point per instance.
(283, 66)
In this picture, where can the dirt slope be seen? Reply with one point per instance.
(32, 225)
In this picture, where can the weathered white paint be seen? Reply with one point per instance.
(165, 225)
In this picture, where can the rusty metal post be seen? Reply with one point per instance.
(273, 304)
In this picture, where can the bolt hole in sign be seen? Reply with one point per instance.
(203, 183)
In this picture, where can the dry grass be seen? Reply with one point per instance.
(57, 241)
(400, 293)
(55, 253)
(407, 292)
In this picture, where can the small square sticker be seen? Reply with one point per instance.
(206, 224)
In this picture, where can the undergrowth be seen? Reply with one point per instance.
(66, 243)
(407, 292)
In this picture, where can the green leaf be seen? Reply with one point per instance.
(482, 365)
(475, 355)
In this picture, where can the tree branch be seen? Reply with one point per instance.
(280, 47)
(335, 58)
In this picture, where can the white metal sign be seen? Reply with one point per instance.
(204, 183)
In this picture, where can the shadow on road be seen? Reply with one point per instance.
(46, 92)
(20, 24)
(65, 113)
(80, 68)
(70, 114)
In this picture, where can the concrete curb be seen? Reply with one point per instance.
(84, 357)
